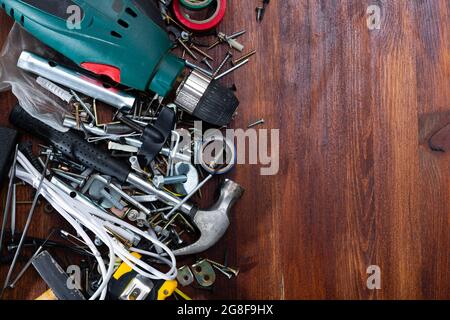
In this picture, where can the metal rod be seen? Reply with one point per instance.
(88, 86)
(186, 199)
(27, 226)
(29, 262)
(25, 268)
(12, 176)
(68, 177)
(232, 69)
(13, 211)
(195, 67)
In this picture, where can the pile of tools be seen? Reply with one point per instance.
(122, 175)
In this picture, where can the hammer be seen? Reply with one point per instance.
(211, 223)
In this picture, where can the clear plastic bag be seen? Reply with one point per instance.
(38, 102)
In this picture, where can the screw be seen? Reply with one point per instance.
(206, 62)
(161, 181)
(229, 276)
(188, 50)
(233, 43)
(177, 237)
(261, 10)
(236, 34)
(257, 123)
(235, 272)
(225, 60)
(246, 56)
(224, 38)
(202, 52)
(259, 13)
(215, 44)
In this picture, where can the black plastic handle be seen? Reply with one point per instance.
(71, 145)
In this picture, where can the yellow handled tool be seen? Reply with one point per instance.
(127, 284)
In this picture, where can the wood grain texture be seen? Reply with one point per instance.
(358, 184)
(441, 140)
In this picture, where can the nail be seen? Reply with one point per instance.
(257, 123)
(231, 70)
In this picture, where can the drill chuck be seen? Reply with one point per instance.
(191, 91)
(206, 99)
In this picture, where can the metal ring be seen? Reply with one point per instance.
(200, 25)
(227, 144)
(48, 208)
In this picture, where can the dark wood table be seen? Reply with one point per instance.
(358, 184)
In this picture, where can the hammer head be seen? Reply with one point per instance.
(213, 223)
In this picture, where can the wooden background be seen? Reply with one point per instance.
(358, 184)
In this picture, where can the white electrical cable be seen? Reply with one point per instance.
(172, 272)
(125, 255)
(30, 175)
(106, 275)
(82, 213)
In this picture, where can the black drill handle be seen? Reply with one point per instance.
(71, 145)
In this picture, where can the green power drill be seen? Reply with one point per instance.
(124, 40)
